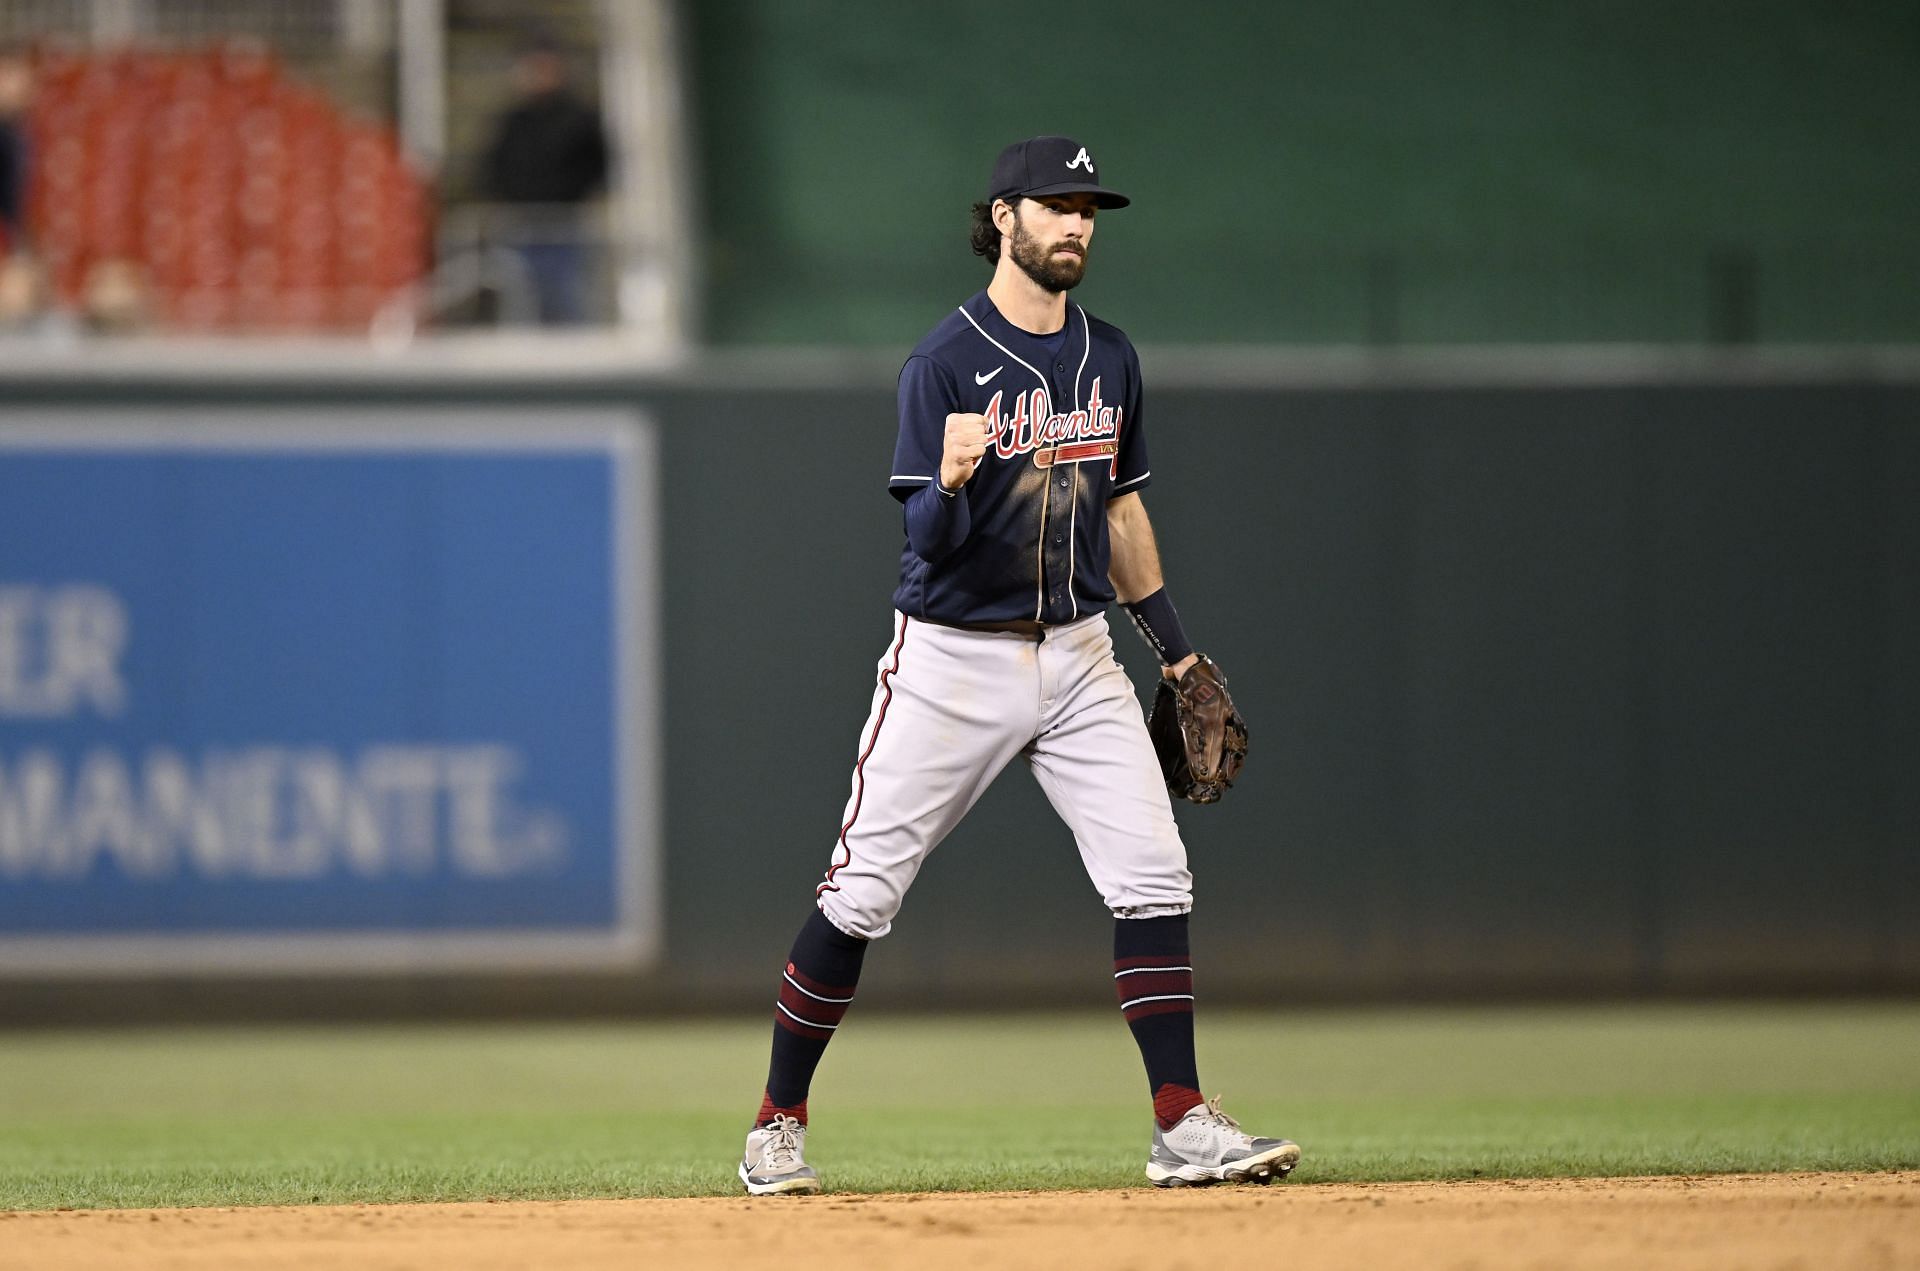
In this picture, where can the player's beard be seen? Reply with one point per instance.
(1037, 261)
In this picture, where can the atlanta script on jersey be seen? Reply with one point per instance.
(1068, 437)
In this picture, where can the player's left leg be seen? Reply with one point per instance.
(1095, 763)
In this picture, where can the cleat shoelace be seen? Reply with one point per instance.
(782, 1150)
(1220, 1119)
(1214, 1114)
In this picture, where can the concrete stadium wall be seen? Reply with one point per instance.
(1592, 690)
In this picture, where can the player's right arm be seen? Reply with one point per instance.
(933, 460)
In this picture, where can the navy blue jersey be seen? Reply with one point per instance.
(1069, 437)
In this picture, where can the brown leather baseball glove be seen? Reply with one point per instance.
(1199, 736)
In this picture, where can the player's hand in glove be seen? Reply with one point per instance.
(1199, 736)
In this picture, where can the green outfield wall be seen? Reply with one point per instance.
(1382, 172)
(1603, 689)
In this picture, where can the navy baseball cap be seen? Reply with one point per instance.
(1040, 166)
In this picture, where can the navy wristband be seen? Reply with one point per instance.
(1158, 623)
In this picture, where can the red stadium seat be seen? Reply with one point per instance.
(252, 201)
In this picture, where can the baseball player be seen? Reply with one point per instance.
(1021, 455)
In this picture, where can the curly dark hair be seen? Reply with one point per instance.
(985, 236)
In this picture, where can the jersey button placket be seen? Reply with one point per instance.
(1058, 607)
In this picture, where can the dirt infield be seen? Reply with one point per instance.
(1788, 1220)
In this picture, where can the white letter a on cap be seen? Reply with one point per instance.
(1082, 160)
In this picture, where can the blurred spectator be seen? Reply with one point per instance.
(26, 301)
(548, 156)
(22, 291)
(119, 298)
(16, 95)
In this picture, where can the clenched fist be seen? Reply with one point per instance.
(967, 439)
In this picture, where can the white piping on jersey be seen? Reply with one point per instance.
(1086, 341)
(1073, 519)
(1131, 480)
(1073, 543)
(1040, 546)
(1044, 386)
(901, 476)
(1139, 970)
(1164, 997)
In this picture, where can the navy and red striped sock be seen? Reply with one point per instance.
(1153, 979)
(816, 987)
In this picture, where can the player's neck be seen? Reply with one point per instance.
(1024, 302)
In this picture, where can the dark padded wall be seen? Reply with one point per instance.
(1391, 170)
(1610, 689)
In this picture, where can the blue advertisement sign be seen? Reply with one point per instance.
(287, 690)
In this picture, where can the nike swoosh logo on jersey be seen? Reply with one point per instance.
(978, 378)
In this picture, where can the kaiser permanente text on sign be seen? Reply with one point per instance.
(262, 811)
(298, 690)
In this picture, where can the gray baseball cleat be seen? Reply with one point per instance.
(773, 1165)
(1207, 1146)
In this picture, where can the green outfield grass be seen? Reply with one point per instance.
(303, 1115)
